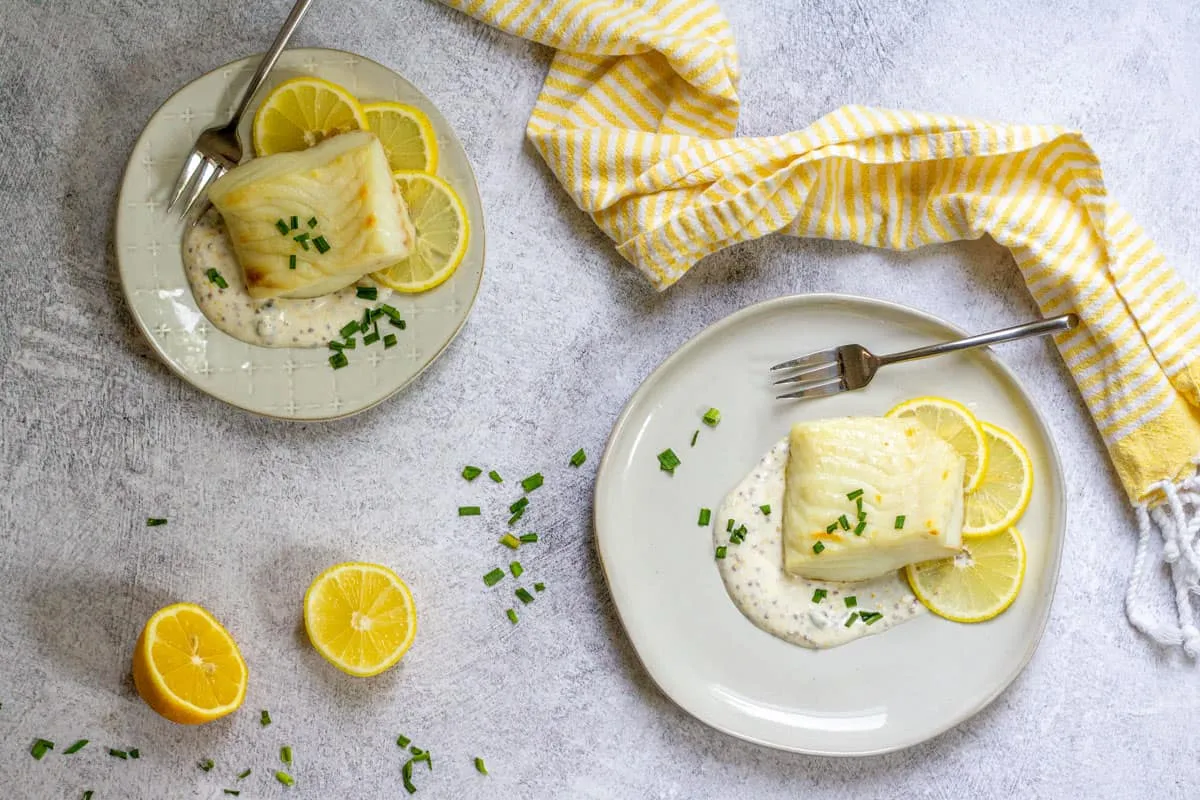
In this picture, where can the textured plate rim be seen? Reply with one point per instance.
(606, 468)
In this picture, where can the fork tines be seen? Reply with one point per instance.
(817, 375)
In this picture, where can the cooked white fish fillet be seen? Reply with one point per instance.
(345, 184)
(902, 470)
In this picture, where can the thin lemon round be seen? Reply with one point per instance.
(1003, 495)
(976, 585)
(187, 667)
(406, 134)
(954, 424)
(442, 234)
(360, 617)
(302, 112)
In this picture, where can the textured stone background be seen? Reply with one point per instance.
(95, 435)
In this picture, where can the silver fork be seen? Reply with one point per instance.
(217, 150)
(852, 366)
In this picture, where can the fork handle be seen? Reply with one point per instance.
(268, 61)
(1040, 328)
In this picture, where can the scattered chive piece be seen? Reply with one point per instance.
(857, 493)
(416, 751)
(294, 223)
(721, 551)
(858, 504)
(711, 417)
(765, 508)
(40, 747)
(528, 538)
(819, 595)
(539, 587)
(818, 547)
(285, 779)
(831, 527)
(519, 505)
(495, 476)
(323, 247)
(860, 527)
(471, 473)
(850, 601)
(899, 522)
(302, 240)
(510, 541)
(292, 261)
(389, 310)
(312, 222)
(741, 531)
(668, 461)
(153, 522)
(389, 341)
(705, 517)
(845, 523)
(406, 772)
(728, 525)
(338, 360)
(349, 329)
(403, 741)
(371, 338)
(264, 718)
(578, 457)
(490, 579)
(75, 748)
(862, 515)
(244, 775)
(479, 766)
(206, 764)
(135, 753)
(532, 482)
(350, 343)
(468, 511)
(364, 324)
(88, 794)
(512, 616)
(399, 323)
(121, 754)
(285, 754)
(336, 345)
(524, 596)
(233, 792)
(367, 292)
(216, 277)
(282, 226)
(695, 436)
(872, 617)
(516, 569)
(513, 519)
(850, 619)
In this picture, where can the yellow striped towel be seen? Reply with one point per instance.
(637, 118)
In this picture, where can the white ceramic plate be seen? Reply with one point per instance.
(279, 382)
(875, 694)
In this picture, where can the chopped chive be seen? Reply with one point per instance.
(264, 718)
(850, 619)
(406, 773)
(376, 313)
(75, 748)
(495, 476)
(285, 754)
(403, 741)
(860, 527)
(243, 775)
(282, 226)
(40, 747)
(371, 338)
(491, 579)
(115, 753)
(695, 436)
(831, 527)
(510, 541)
(875, 616)
(323, 247)
(312, 222)
(532, 482)
(367, 292)
(513, 519)
(515, 568)
(389, 310)
(857, 493)
(399, 323)
(364, 324)
(206, 764)
(741, 531)
(539, 587)
(88, 794)
(862, 515)
(524, 596)
(845, 523)
(351, 343)
(858, 504)
(519, 505)
(233, 792)
(471, 473)
(416, 751)
(389, 341)
(850, 601)
(216, 277)
(468, 511)
(721, 551)
(578, 457)
(334, 344)
(512, 616)
(294, 223)
(338, 360)
(302, 240)
(728, 525)
(668, 461)
(705, 517)
(479, 766)
(349, 329)
(528, 538)
(153, 522)
(765, 508)
(135, 753)
(819, 595)
(899, 522)
(292, 261)
(284, 778)
(818, 547)
(711, 417)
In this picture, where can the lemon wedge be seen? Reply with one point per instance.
(442, 234)
(360, 617)
(406, 134)
(954, 424)
(977, 584)
(302, 112)
(1003, 494)
(187, 667)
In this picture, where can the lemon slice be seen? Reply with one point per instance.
(187, 667)
(301, 112)
(954, 424)
(406, 134)
(1003, 495)
(442, 229)
(360, 617)
(977, 584)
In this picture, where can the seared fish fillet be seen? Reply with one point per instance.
(902, 469)
(345, 185)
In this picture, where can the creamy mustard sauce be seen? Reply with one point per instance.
(782, 604)
(266, 323)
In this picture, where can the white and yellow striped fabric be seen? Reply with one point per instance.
(637, 119)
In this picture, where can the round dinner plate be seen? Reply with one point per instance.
(293, 383)
(877, 693)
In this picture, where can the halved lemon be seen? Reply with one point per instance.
(954, 424)
(1003, 495)
(977, 584)
(442, 229)
(360, 617)
(187, 667)
(406, 134)
(301, 112)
